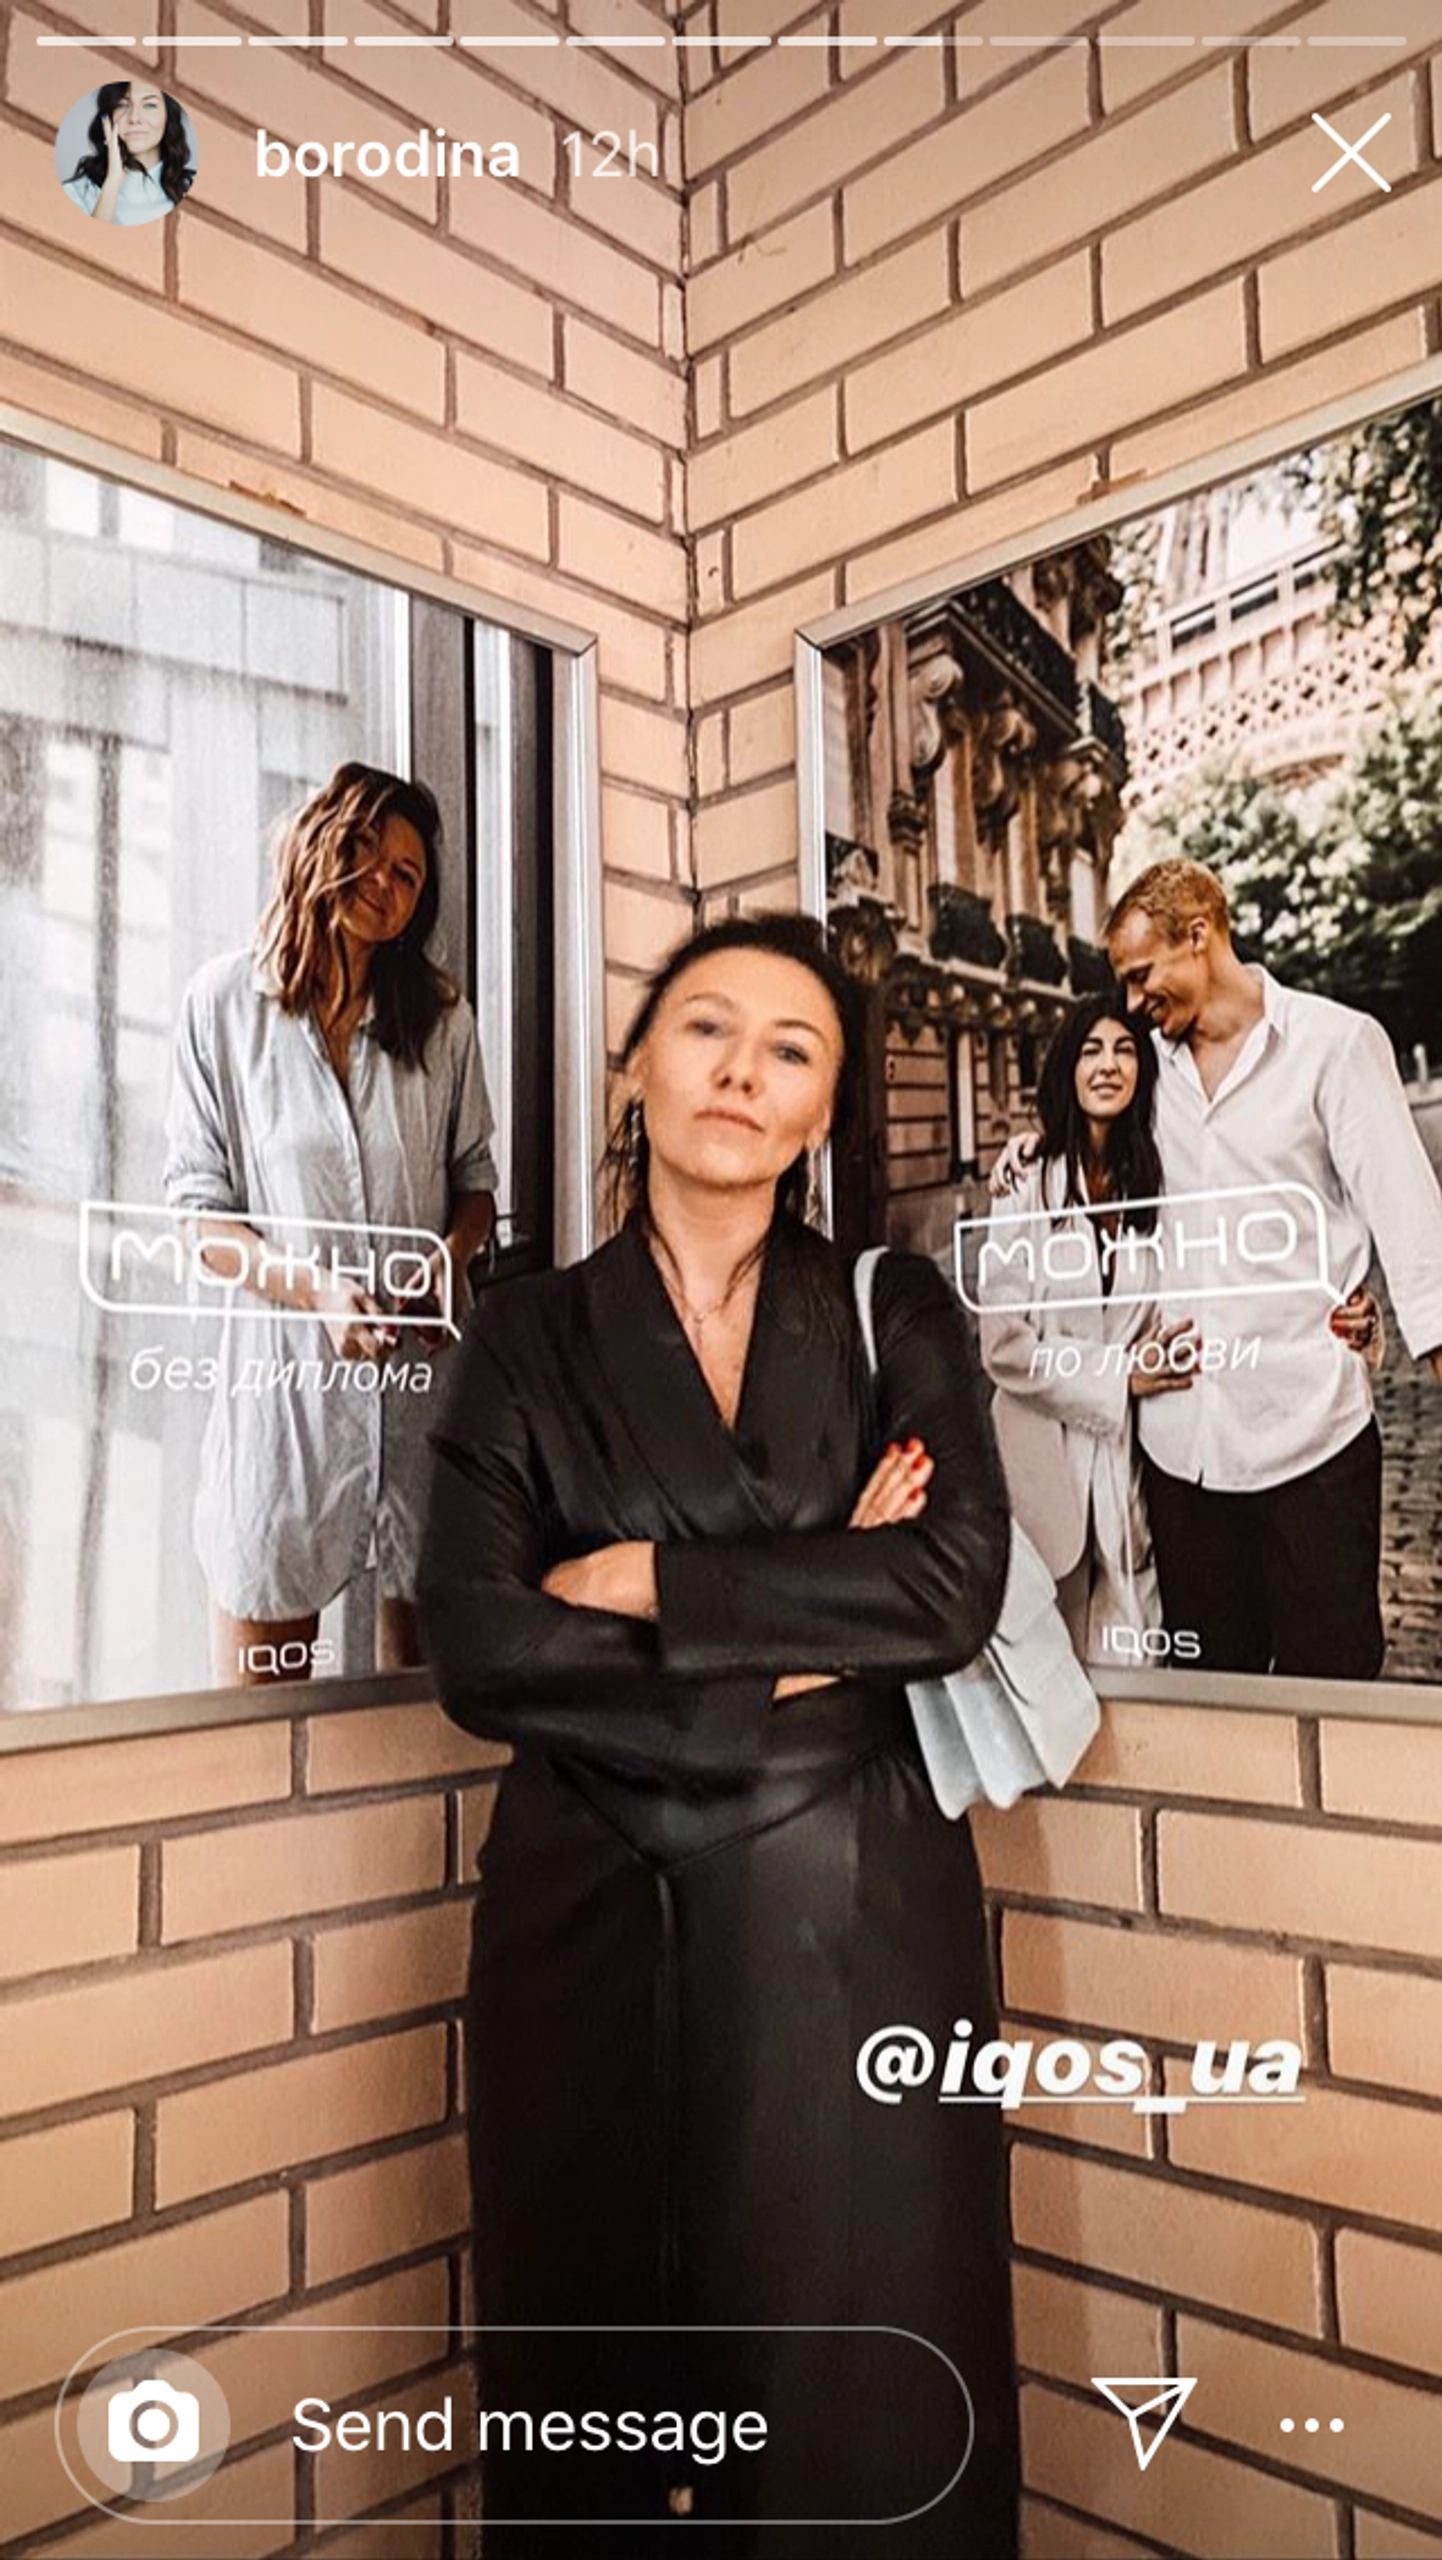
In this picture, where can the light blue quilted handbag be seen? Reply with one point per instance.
(1024, 1712)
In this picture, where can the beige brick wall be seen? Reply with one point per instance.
(232, 2089)
(1206, 1879)
(483, 376)
(940, 295)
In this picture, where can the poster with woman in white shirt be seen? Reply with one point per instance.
(328, 1115)
(1206, 1379)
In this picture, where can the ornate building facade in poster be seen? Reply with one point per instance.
(973, 778)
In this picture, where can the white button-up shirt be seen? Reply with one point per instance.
(302, 1487)
(1314, 1098)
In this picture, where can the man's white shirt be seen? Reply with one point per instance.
(1314, 1098)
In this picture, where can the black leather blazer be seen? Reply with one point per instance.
(578, 1415)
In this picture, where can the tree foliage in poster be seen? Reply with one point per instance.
(1346, 900)
(1344, 895)
(1378, 500)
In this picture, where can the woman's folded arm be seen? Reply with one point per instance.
(911, 1600)
(494, 1636)
(514, 1664)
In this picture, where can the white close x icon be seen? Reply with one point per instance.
(1352, 151)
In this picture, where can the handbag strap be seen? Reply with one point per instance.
(863, 1278)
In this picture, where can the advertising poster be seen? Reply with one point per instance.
(234, 1274)
(1131, 845)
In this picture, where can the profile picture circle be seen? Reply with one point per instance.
(126, 152)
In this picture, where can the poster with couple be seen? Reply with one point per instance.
(1137, 846)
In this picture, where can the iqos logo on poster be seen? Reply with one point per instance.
(1152, 1644)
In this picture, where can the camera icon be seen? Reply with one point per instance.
(153, 2423)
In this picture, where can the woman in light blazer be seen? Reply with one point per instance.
(1064, 1424)
(1061, 1328)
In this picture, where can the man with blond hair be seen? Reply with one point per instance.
(1263, 1481)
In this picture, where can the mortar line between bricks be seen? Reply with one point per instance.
(829, 43)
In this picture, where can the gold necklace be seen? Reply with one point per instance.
(699, 1316)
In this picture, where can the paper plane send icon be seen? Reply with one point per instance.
(1166, 2397)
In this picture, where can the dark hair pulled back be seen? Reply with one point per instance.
(625, 1170)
